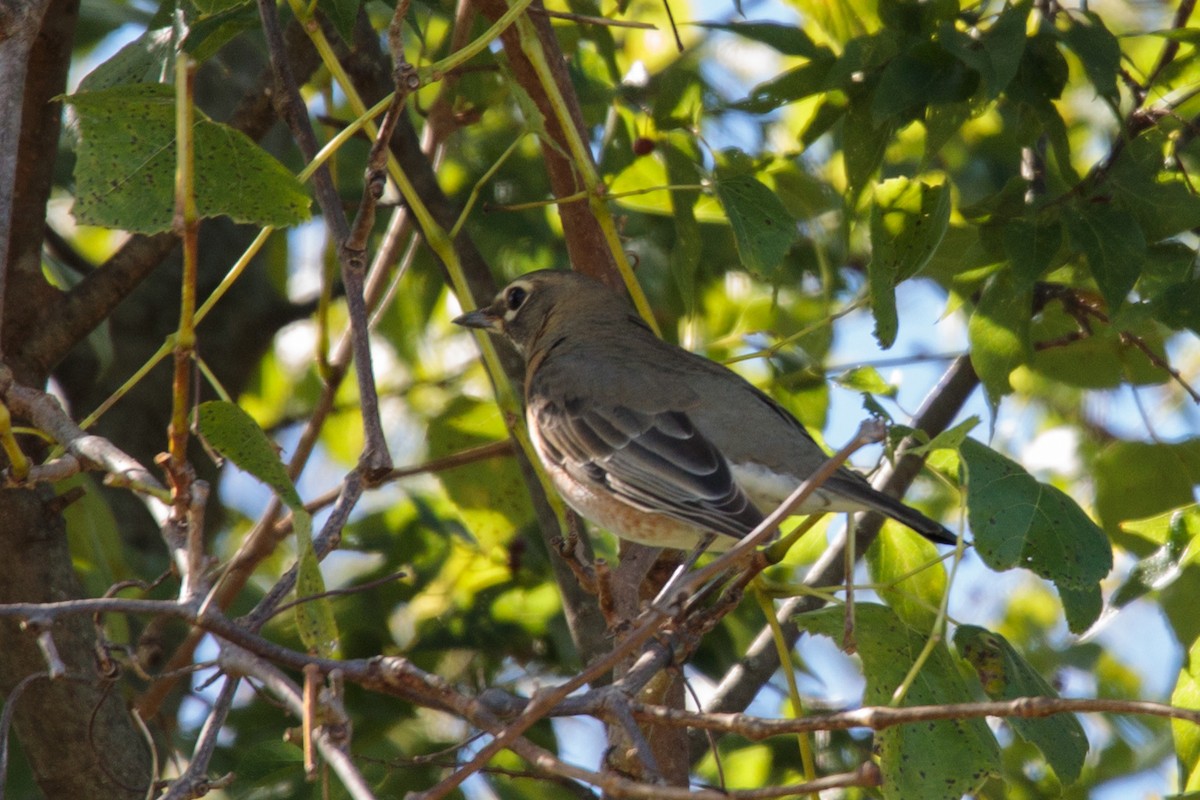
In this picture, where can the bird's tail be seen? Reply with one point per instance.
(905, 515)
(853, 486)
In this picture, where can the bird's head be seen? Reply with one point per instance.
(543, 302)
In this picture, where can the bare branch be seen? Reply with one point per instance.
(45, 412)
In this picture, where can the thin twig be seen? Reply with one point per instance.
(584, 19)
(881, 717)
(239, 661)
(294, 113)
(435, 465)
(194, 781)
(349, 590)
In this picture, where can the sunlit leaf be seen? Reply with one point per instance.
(908, 577)
(1104, 357)
(865, 379)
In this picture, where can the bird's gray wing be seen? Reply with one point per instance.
(654, 461)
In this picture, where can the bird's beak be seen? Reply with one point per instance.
(481, 318)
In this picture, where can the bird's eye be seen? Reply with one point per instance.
(515, 297)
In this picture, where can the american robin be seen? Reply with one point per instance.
(654, 443)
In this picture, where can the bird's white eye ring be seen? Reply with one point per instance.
(515, 297)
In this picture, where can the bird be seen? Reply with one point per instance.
(650, 441)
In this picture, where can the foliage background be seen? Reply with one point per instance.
(1006, 182)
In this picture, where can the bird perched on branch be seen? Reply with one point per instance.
(654, 443)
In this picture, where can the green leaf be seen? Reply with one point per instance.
(98, 552)
(314, 617)
(1160, 528)
(685, 255)
(902, 566)
(1179, 306)
(1018, 522)
(915, 19)
(908, 220)
(1097, 48)
(863, 144)
(125, 170)
(236, 436)
(941, 122)
(231, 432)
(1060, 142)
(831, 109)
(787, 39)
(209, 34)
(1042, 72)
(1168, 266)
(763, 230)
(949, 439)
(788, 87)
(923, 75)
(1004, 43)
(999, 333)
(1006, 675)
(1159, 199)
(866, 379)
(934, 760)
(1114, 245)
(632, 183)
(1031, 247)
(342, 13)
(804, 195)
(1082, 605)
(1101, 359)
